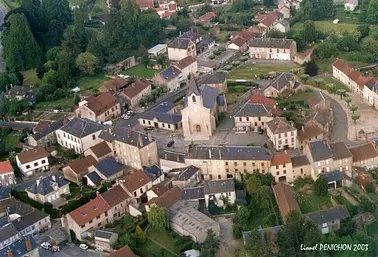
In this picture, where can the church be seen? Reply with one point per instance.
(202, 106)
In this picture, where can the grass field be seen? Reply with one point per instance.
(222, 36)
(251, 71)
(151, 249)
(347, 17)
(13, 138)
(308, 202)
(343, 201)
(300, 96)
(90, 84)
(140, 71)
(163, 238)
(328, 27)
(63, 103)
(326, 81)
(30, 77)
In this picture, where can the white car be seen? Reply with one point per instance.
(130, 112)
(83, 246)
(99, 249)
(125, 117)
(46, 245)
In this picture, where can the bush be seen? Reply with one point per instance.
(211, 57)
(227, 67)
(235, 63)
(237, 89)
(301, 182)
(237, 231)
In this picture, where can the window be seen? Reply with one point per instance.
(277, 167)
(247, 118)
(99, 224)
(226, 163)
(278, 51)
(106, 214)
(302, 171)
(193, 98)
(284, 171)
(284, 165)
(98, 217)
(253, 164)
(245, 171)
(135, 194)
(35, 164)
(235, 164)
(244, 164)
(227, 170)
(262, 164)
(94, 137)
(219, 177)
(28, 166)
(277, 173)
(144, 121)
(82, 226)
(141, 190)
(91, 221)
(210, 176)
(236, 170)
(285, 134)
(163, 125)
(169, 126)
(255, 123)
(259, 118)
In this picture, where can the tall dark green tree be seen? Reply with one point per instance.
(66, 65)
(309, 31)
(372, 12)
(320, 187)
(210, 247)
(315, 10)
(21, 51)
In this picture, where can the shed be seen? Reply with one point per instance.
(58, 237)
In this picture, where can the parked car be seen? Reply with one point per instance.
(170, 144)
(83, 246)
(125, 117)
(46, 245)
(99, 249)
(129, 112)
(55, 248)
(149, 128)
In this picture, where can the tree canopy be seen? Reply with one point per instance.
(157, 217)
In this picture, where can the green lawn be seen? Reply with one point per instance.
(300, 96)
(347, 17)
(308, 202)
(222, 36)
(328, 27)
(326, 81)
(343, 201)
(91, 84)
(64, 103)
(13, 138)
(150, 249)
(251, 71)
(372, 229)
(10, 4)
(162, 237)
(30, 77)
(140, 71)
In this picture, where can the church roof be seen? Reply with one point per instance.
(192, 85)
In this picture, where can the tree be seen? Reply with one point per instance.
(126, 239)
(325, 50)
(253, 183)
(96, 48)
(320, 186)
(76, 98)
(311, 68)
(367, 205)
(305, 77)
(370, 188)
(355, 117)
(353, 108)
(331, 87)
(257, 245)
(348, 100)
(372, 12)
(341, 93)
(318, 82)
(157, 217)
(268, 2)
(274, 33)
(348, 227)
(139, 235)
(210, 247)
(21, 50)
(244, 214)
(87, 62)
(266, 179)
(145, 60)
(66, 64)
(309, 31)
(364, 30)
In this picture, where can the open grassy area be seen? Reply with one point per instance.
(251, 71)
(12, 139)
(30, 77)
(140, 71)
(328, 26)
(149, 249)
(347, 17)
(91, 84)
(10, 4)
(343, 201)
(326, 81)
(309, 202)
(65, 103)
(233, 97)
(169, 239)
(222, 36)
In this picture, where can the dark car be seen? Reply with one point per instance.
(149, 128)
(260, 131)
(170, 144)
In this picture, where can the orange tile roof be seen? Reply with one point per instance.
(280, 159)
(136, 180)
(207, 16)
(285, 199)
(102, 103)
(32, 155)
(42, 124)
(89, 211)
(261, 99)
(114, 196)
(309, 132)
(343, 66)
(114, 84)
(237, 40)
(145, 3)
(80, 166)
(123, 252)
(6, 167)
(101, 149)
(167, 14)
(268, 19)
(135, 88)
(168, 198)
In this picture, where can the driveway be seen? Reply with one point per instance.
(228, 244)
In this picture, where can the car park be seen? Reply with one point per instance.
(83, 246)
(46, 245)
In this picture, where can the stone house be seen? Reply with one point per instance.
(171, 160)
(136, 184)
(252, 117)
(308, 134)
(134, 92)
(328, 220)
(282, 82)
(218, 191)
(185, 177)
(75, 170)
(365, 155)
(99, 152)
(281, 168)
(112, 85)
(272, 49)
(217, 80)
(104, 171)
(301, 166)
(187, 66)
(170, 78)
(7, 177)
(45, 136)
(105, 239)
(179, 48)
(282, 133)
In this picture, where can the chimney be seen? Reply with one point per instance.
(209, 153)
(140, 139)
(28, 244)
(303, 128)
(38, 181)
(10, 254)
(53, 178)
(149, 137)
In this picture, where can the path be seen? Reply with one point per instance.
(349, 197)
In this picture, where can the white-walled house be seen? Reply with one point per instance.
(219, 190)
(282, 133)
(187, 65)
(79, 134)
(272, 49)
(32, 161)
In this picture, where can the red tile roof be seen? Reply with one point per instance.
(115, 196)
(246, 34)
(207, 16)
(114, 84)
(89, 211)
(183, 63)
(42, 124)
(239, 41)
(135, 88)
(6, 167)
(136, 180)
(343, 66)
(167, 14)
(268, 19)
(80, 166)
(261, 99)
(285, 199)
(32, 155)
(280, 159)
(364, 152)
(102, 103)
(101, 149)
(145, 4)
(167, 199)
(123, 252)
(309, 132)
(172, 7)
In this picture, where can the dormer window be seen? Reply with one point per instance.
(193, 98)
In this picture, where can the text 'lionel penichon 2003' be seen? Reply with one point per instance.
(336, 247)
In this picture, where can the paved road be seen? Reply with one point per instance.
(3, 12)
(24, 125)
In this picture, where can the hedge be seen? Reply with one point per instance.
(237, 89)
(238, 83)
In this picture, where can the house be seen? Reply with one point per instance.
(267, 21)
(112, 85)
(32, 161)
(171, 160)
(283, 81)
(272, 49)
(101, 108)
(318, 102)
(7, 177)
(185, 177)
(105, 239)
(136, 184)
(44, 133)
(365, 155)
(321, 118)
(285, 199)
(99, 152)
(217, 80)
(155, 173)
(340, 70)
(369, 92)
(304, 57)
(308, 134)
(162, 116)
(76, 169)
(21, 93)
(328, 220)
(23, 247)
(301, 166)
(158, 190)
(79, 134)
(220, 162)
(335, 179)
(170, 78)
(190, 222)
(181, 47)
(49, 189)
(107, 169)
(158, 50)
(285, 11)
(350, 5)
(252, 117)
(364, 178)
(201, 111)
(205, 43)
(206, 18)
(281, 133)
(281, 167)
(131, 147)
(123, 252)
(282, 25)
(134, 92)
(9, 235)
(342, 158)
(219, 191)
(187, 65)
(166, 200)
(145, 4)
(258, 98)
(240, 41)
(257, 31)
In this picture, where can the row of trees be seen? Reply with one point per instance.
(368, 11)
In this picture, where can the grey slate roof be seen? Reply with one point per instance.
(298, 161)
(7, 231)
(320, 150)
(340, 151)
(168, 118)
(45, 185)
(281, 80)
(49, 129)
(164, 107)
(192, 85)
(127, 136)
(241, 196)
(271, 43)
(81, 127)
(170, 73)
(209, 96)
(280, 125)
(172, 156)
(219, 186)
(228, 153)
(154, 172)
(284, 22)
(18, 248)
(214, 78)
(192, 193)
(29, 219)
(187, 173)
(332, 176)
(253, 110)
(104, 234)
(180, 43)
(94, 177)
(221, 100)
(108, 167)
(18, 91)
(325, 216)
(190, 35)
